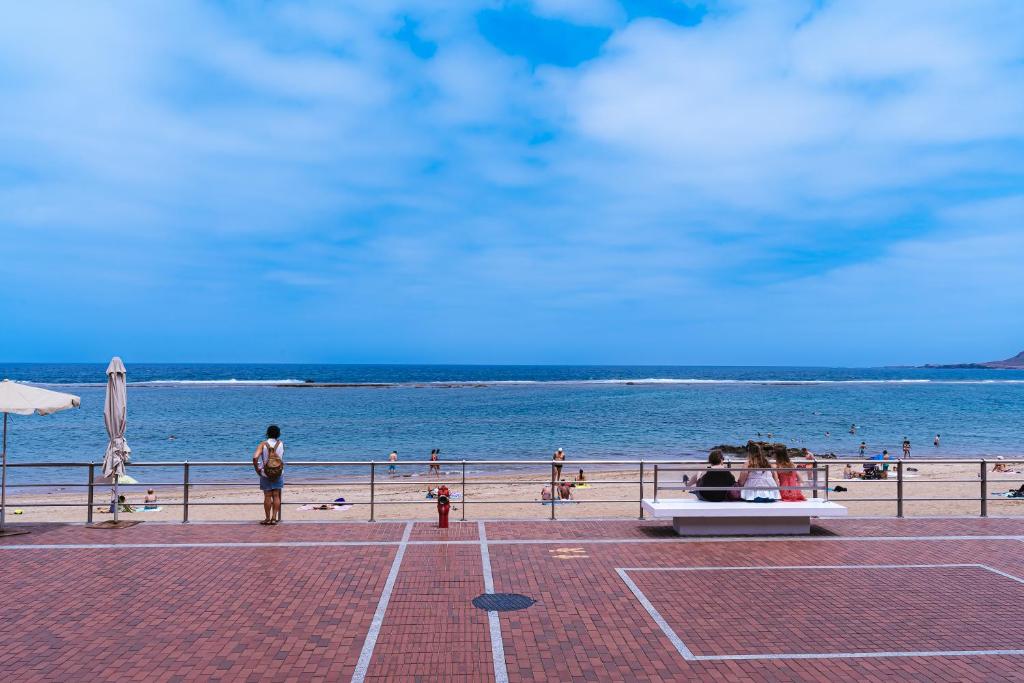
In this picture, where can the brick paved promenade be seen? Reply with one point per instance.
(865, 600)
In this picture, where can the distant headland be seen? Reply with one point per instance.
(1015, 363)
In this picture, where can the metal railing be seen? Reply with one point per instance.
(817, 479)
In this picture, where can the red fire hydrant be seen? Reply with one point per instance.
(443, 506)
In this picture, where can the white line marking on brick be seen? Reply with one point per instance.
(685, 652)
(658, 619)
(539, 541)
(497, 644)
(382, 607)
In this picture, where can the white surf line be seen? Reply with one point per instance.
(687, 654)
(366, 654)
(497, 644)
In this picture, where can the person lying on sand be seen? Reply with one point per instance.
(1003, 467)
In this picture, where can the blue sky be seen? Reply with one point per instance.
(546, 181)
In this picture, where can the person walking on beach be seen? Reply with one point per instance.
(906, 447)
(392, 459)
(863, 447)
(936, 441)
(435, 455)
(559, 456)
(268, 461)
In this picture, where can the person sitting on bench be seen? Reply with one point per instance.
(717, 478)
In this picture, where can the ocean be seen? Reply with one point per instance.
(475, 412)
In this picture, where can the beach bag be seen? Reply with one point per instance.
(274, 465)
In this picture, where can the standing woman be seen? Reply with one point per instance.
(268, 460)
(759, 481)
(559, 456)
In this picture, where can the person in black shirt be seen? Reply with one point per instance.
(717, 477)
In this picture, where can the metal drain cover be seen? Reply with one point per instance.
(502, 602)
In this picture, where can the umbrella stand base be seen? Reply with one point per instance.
(13, 532)
(111, 524)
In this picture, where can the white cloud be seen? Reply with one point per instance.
(855, 97)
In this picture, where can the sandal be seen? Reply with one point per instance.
(266, 522)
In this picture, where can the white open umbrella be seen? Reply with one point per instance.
(115, 416)
(22, 399)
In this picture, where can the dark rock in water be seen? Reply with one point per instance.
(770, 450)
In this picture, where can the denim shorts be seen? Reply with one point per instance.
(267, 485)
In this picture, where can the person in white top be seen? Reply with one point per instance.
(270, 485)
(759, 480)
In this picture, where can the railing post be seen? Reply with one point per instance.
(463, 490)
(92, 480)
(814, 478)
(899, 488)
(655, 482)
(984, 489)
(827, 470)
(184, 495)
(373, 476)
(554, 497)
(641, 489)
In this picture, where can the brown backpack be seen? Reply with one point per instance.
(274, 465)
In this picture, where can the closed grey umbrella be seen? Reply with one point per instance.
(115, 416)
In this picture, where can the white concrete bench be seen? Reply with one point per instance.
(694, 517)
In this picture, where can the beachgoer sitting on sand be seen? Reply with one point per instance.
(759, 481)
(881, 471)
(717, 478)
(149, 500)
(545, 493)
(1002, 466)
(564, 490)
(848, 472)
(787, 477)
(125, 507)
(580, 480)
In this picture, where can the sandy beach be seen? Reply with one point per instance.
(611, 493)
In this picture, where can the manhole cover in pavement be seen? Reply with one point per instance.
(502, 602)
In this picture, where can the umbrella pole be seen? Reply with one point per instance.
(3, 485)
(116, 499)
